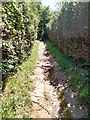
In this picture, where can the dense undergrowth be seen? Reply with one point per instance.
(69, 30)
(15, 100)
(22, 24)
(19, 31)
(77, 77)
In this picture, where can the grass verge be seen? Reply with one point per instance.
(16, 99)
(77, 77)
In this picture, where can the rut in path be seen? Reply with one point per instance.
(44, 97)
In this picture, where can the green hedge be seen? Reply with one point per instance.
(19, 30)
(69, 30)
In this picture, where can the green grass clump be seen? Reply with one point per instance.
(77, 77)
(16, 98)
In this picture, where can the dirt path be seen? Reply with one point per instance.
(44, 96)
(48, 79)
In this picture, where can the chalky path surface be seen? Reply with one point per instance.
(44, 96)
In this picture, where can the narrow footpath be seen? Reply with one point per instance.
(52, 98)
(44, 97)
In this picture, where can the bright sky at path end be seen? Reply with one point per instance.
(50, 3)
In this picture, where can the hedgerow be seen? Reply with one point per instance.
(19, 30)
(69, 31)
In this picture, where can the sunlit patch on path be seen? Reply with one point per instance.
(44, 96)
